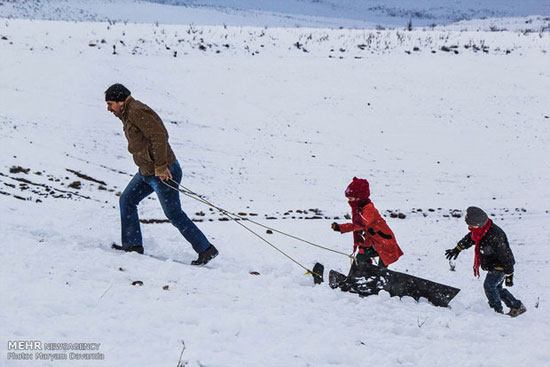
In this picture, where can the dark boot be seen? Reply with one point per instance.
(517, 311)
(205, 256)
(138, 249)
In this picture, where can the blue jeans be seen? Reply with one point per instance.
(495, 292)
(142, 186)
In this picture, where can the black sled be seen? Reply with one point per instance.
(367, 279)
(317, 272)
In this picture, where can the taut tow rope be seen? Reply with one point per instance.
(189, 193)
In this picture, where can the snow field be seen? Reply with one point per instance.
(78, 289)
(281, 130)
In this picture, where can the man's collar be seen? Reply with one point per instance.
(127, 101)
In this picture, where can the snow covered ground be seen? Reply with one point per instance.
(272, 123)
(280, 13)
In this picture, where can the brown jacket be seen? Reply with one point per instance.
(147, 138)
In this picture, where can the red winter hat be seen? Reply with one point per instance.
(358, 189)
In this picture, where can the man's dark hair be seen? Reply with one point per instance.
(117, 93)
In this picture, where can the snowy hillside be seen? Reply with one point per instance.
(280, 13)
(270, 122)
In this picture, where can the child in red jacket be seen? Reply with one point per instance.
(371, 235)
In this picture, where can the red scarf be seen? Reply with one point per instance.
(477, 235)
(356, 211)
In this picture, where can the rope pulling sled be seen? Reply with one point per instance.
(238, 218)
(364, 279)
